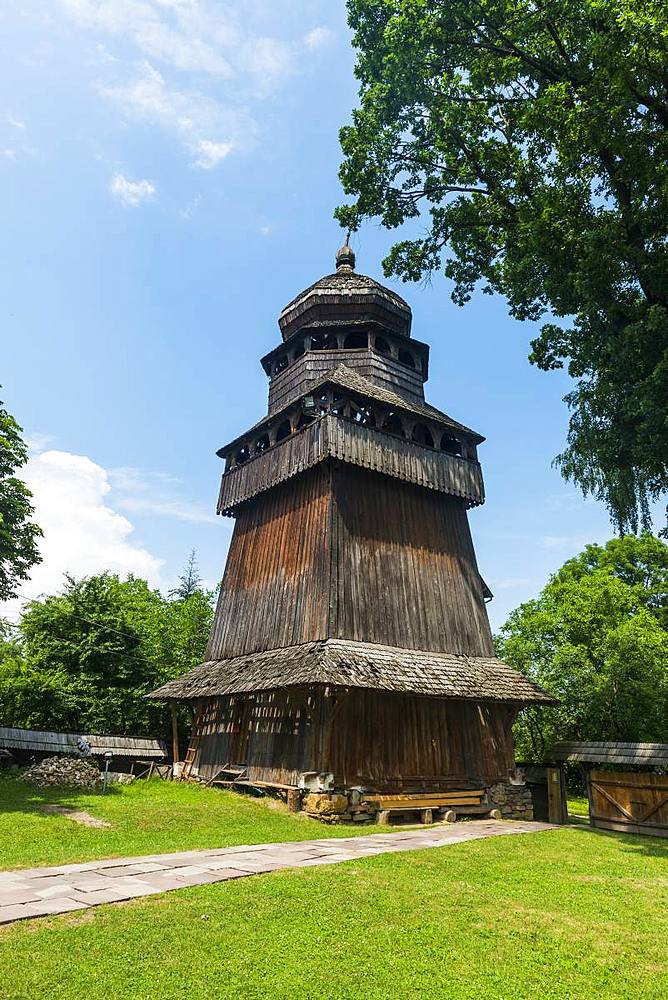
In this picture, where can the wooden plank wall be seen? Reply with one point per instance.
(627, 801)
(362, 446)
(391, 740)
(385, 371)
(381, 740)
(404, 569)
(275, 590)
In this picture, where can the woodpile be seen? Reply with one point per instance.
(63, 772)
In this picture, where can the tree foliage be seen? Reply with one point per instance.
(18, 534)
(597, 638)
(84, 660)
(536, 134)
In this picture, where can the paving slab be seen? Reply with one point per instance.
(37, 892)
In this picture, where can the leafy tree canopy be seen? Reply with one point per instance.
(18, 534)
(536, 134)
(85, 659)
(597, 638)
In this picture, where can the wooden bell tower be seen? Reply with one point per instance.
(351, 636)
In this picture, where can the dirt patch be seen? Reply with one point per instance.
(78, 815)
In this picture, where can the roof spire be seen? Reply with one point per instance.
(345, 257)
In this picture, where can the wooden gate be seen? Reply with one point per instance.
(629, 802)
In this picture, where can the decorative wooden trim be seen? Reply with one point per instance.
(334, 437)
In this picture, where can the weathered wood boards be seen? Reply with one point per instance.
(379, 740)
(331, 437)
(629, 802)
(343, 553)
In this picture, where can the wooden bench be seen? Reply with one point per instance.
(448, 805)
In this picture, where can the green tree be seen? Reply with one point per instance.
(535, 135)
(190, 580)
(597, 638)
(85, 659)
(18, 534)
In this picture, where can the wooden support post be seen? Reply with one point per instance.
(175, 732)
(383, 817)
(556, 795)
(426, 816)
(294, 800)
(449, 815)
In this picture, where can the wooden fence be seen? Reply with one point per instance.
(629, 802)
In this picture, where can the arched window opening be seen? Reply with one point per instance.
(422, 435)
(323, 342)
(339, 406)
(393, 425)
(382, 346)
(242, 455)
(284, 431)
(281, 364)
(406, 358)
(262, 444)
(304, 420)
(299, 350)
(451, 445)
(363, 415)
(356, 341)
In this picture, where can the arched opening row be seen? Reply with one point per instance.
(356, 340)
(363, 413)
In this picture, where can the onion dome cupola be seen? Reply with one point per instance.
(346, 318)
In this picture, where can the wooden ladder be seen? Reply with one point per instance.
(191, 752)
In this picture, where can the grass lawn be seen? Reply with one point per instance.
(569, 914)
(146, 818)
(564, 915)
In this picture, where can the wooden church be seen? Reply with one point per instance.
(351, 647)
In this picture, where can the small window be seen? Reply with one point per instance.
(356, 341)
(281, 364)
(261, 444)
(451, 445)
(299, 350)
(363, 415)
(339, 406)
(393, 424)
(242, 455)
(422, 435)
(324, 342)
(304, 420)
(284, 431)
(382, 346)
(406, 358)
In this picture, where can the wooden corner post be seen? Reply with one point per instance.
(175, 732)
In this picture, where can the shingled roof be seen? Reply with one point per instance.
(343, 663)
(350, 380)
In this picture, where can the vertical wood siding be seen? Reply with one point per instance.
(376, 739)
(275, 590)
(404, 568)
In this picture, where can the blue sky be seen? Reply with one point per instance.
(168, 176)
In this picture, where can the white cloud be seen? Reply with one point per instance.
(207, 129)
(130, 193)
(15, 122)
(190, 209)
(9, 154)
(211, 153)
(235, 54)
(83, 534)
(317, 37)
(186, 36)
(141, 492)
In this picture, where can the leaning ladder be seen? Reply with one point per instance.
(193, 747)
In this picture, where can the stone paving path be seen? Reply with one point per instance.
(38, 892)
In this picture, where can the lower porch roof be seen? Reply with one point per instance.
(344, 663)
